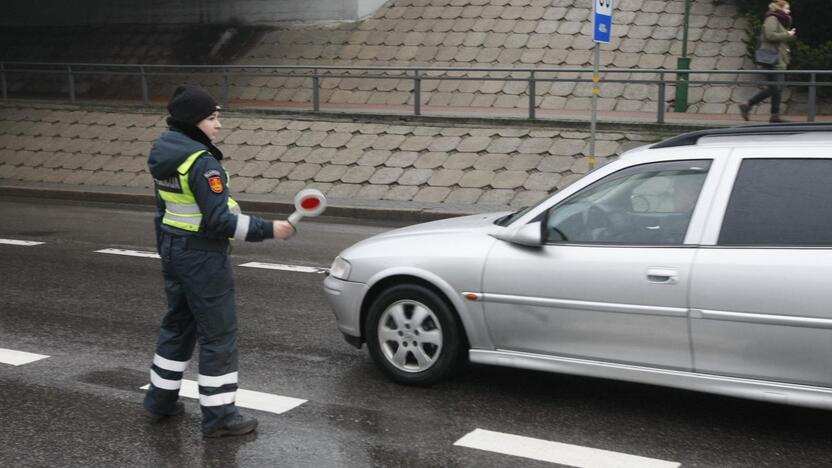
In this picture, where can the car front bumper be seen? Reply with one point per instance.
(345, 299)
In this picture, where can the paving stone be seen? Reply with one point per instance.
(473, 144)
(358, 174)
(528, 198)
(270, 153)
(244, 153)
(504, 145)
(444, 143)
(401, 193)
(496, 197)
(347, 156)
(415, 176)
(289, 187)
(401, 159)
(566, 147)
(311, 138)
(254, 169)
(491, 162)
(343, 191)
(361, 141)
(331, 173)
(386, 175)
(467, 196)
(432, 194)
(75, 161)
(321, 155)
(304, 171)
(93, 164)
(476, 178)
(285, 137)
(388, 142)
(460, 161)
(372, 192)
(416, 143)
(279, 170)
(374, 158)
(555, 164)
(430, 160)
(542, 181)
(99, 178)
(262, 186)
(509, 179)
(523, 162)
(296, 154)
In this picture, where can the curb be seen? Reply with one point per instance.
(337, 210)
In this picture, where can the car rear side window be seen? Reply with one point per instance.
(780, 202)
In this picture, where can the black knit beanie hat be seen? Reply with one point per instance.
(191, 105)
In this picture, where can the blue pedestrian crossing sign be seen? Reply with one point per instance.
(602, 21)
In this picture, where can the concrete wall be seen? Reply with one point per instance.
(257, 12)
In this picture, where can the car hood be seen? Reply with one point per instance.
(462, 224)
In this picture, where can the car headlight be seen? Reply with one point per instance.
(340, 268)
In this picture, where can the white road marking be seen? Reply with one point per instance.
(277, 404)
(129, 253)
(279, 266)
(19, 242)
(18, 358)
(267, 266)
(555, 452)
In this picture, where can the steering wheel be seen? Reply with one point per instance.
(597, 224)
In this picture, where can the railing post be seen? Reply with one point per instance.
(532, 93)
(316, 97)
(225, 86)
(660, 117)
(71, 84)
(145, 97)
(417, 94)
(812, 98)
(3, 81)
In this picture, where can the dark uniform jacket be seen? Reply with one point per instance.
(170, 150)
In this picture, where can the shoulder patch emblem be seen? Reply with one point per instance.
(215, 183)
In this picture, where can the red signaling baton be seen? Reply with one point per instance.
(308, 202)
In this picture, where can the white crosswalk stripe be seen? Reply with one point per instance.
(129, 253)
(556, 452)
(19, 358)
(268, 402)
(280, 266)
(20, 242)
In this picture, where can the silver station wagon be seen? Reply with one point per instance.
(702, 262)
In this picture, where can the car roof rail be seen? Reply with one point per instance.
(691, 138)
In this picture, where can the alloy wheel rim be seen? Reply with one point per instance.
(410, 336)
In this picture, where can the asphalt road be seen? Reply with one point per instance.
(96, 315)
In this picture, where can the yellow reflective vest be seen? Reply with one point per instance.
(181, 209)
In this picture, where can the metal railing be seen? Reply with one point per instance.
(660, 78)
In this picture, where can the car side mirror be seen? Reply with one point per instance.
(529, 235)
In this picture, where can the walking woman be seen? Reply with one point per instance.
(777, 31)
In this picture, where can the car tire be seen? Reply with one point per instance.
(413, 335)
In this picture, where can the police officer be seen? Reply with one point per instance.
(195, 219)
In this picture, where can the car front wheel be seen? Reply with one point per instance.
(413, 335)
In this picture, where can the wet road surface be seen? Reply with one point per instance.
(96, 315)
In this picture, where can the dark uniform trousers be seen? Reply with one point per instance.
(200, 295)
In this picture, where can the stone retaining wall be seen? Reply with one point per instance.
(422, 164)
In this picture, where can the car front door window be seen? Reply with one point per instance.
(649, 204)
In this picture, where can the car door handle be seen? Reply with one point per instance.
(662, 275)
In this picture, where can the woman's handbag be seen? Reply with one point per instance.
(766, 57)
